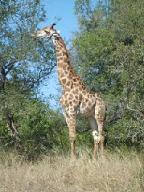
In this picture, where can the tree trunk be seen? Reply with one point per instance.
(10, 124)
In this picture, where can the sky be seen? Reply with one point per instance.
(55, 10)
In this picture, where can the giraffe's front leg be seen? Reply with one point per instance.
(71, 122)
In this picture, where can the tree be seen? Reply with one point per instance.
(109, 50)
(24, 62)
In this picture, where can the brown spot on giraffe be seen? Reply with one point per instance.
(63, 81)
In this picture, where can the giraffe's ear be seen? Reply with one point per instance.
(52, 26)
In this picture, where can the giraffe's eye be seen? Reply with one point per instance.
(47, 32)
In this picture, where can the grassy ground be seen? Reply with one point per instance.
(113, 173)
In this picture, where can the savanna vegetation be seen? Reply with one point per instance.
(120, 173)
(108, 53)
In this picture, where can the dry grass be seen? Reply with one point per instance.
(60, 174)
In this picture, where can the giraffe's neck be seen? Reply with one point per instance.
(65, 70)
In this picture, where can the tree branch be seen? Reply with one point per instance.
(10, 66)
(10, 124)
(135, 110)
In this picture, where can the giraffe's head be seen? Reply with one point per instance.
(48, 32)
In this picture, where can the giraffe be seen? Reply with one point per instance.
(76, 97)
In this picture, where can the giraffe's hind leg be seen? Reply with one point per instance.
(100, 118)
(94, 128)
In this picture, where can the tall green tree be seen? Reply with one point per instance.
(110, 56)
(24, 62)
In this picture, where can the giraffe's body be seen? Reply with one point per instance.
(76, 97)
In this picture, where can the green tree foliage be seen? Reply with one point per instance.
(110, 57)
(40, 129)
(24, 62)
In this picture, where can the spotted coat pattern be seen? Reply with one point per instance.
(76, 97)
